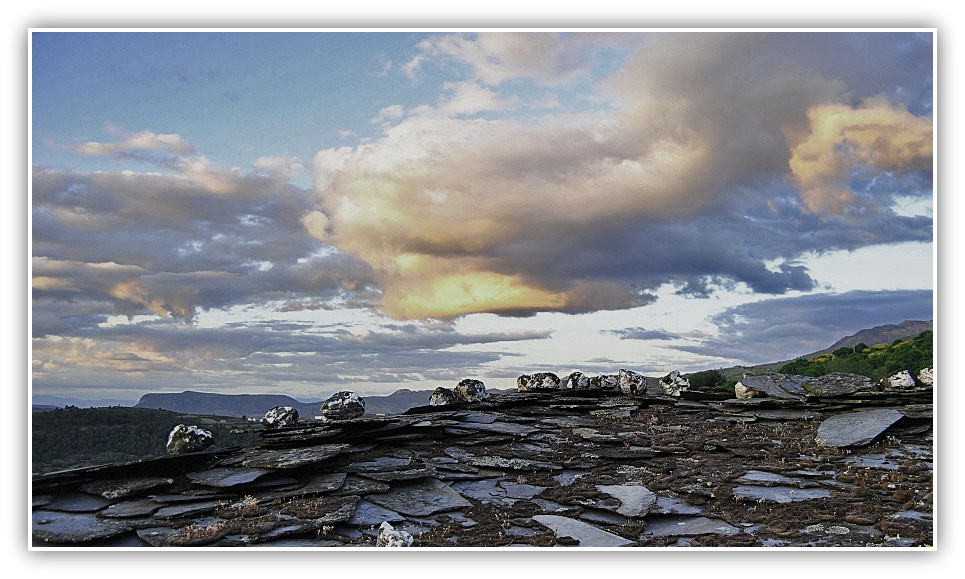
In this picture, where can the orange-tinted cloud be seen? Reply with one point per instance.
(462, 214)
(877, 134)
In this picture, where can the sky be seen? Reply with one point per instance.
(302, 213)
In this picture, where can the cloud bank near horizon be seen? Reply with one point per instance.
(563, 173)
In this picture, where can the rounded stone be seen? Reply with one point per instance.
(631, 383)
(279, 417)
(390, 537)
(538, 381)
(744, 393)
(900, 381)
(470, 390)
(604, 382)
(673, 383)
(576, 381)
(343, 406)
(442, 397)
(184, 439)
(927, 377)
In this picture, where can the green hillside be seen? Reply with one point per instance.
(876, 362)
(876, 335)
(74, 437)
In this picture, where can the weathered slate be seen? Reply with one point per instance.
(227, 477)
(370, 514)
(128, 509)
(764, 478)
(838, 384)
(77, 503)
(421, 499)
(113, 489)
(187, 510)
(585, 533)
(294, 457)
(502, 492)
(779, 494)
(499, 428)
(778, 385)
(56, 527)
(688, 527)
(511, 463)
(856, 428)
(635, 500)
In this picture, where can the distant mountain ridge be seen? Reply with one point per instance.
(237, 405)
(61, 401)
(255, 405)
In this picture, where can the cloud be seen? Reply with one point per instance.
(686, 182)
(876, 134)
(782, 328)
(283, 167)
(642, 334)
(495, 57)
(170, 243)
(302, 358)
(469, 98)
(143, 141)
(388, 113)
(413, 67)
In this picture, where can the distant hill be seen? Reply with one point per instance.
(44, 408)
(60, 401)
(255, 405)
(398, 401)
(236, 405)
(877, 335)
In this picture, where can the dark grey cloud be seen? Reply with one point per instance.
(782, 328)
(716, 249)
(642, 334)
(56, 317)
(170, 244)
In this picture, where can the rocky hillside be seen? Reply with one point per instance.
(828, 461)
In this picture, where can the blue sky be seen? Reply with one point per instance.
(309, 212)
(235, 95)
(238, 96)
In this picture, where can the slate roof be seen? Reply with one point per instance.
(587, 468)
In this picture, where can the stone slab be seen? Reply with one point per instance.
(856, 428)
(421, 499)
(688, 526)
(635, 500)
(224, 477)
(59, 527)
(585, 533)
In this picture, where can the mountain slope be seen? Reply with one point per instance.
(880, 335)
(877, 335)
